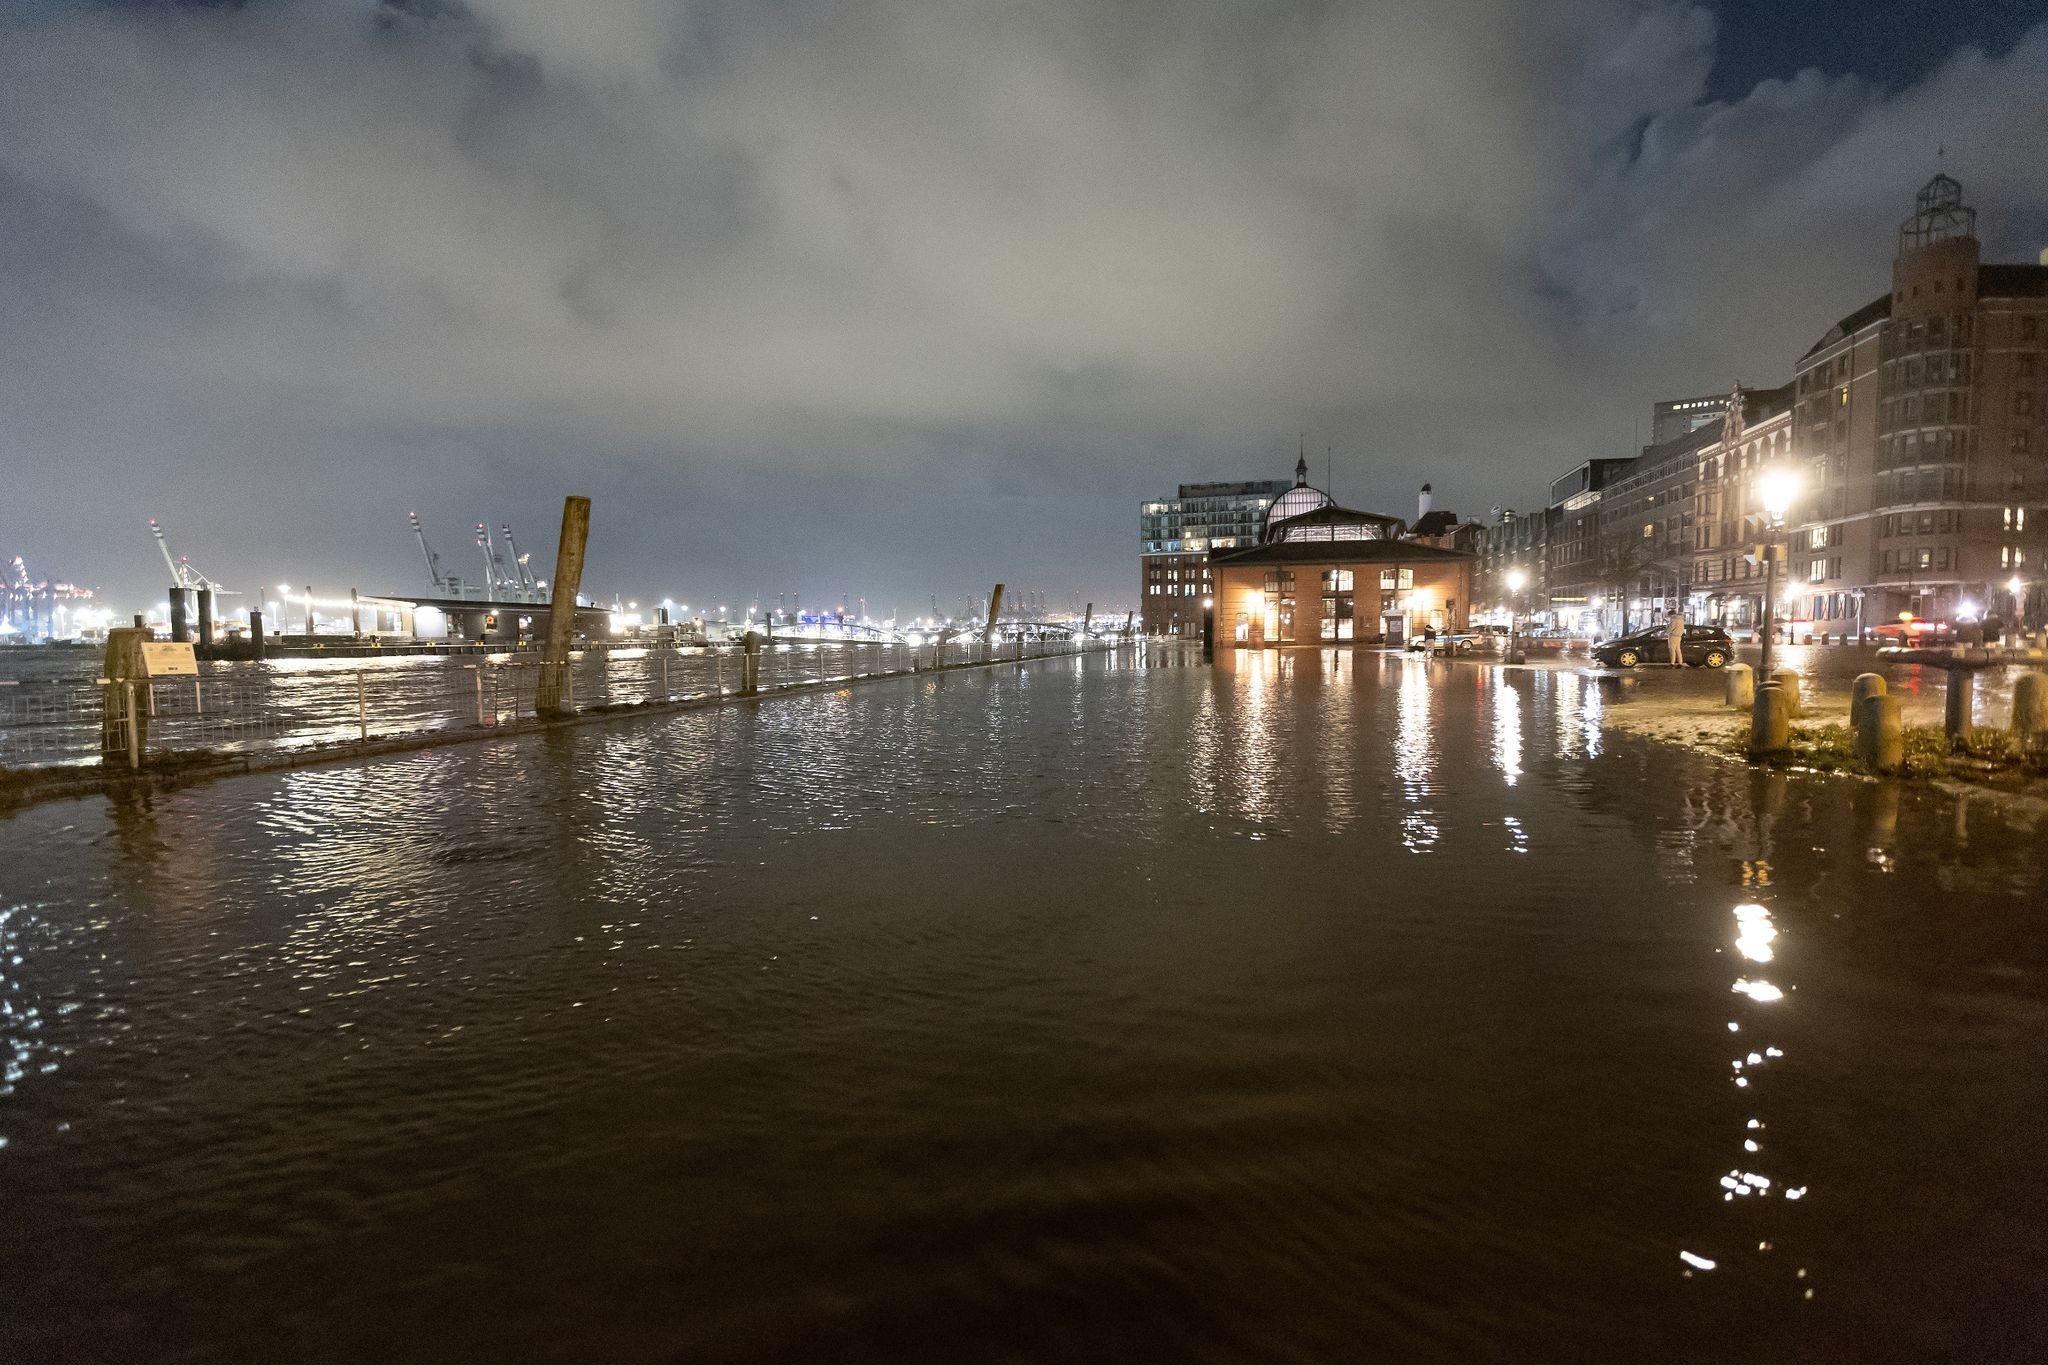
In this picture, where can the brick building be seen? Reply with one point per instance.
(1918, 421)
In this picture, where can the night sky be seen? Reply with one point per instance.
(898, 298)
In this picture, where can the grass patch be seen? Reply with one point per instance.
(1989, 757)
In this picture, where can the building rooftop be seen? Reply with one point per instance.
(2012, 281)
(1337, 551)
(1877, 310)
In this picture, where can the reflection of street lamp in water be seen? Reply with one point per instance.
(1777, 487)
(1516, 578)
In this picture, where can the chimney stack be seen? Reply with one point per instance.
(1422, 504)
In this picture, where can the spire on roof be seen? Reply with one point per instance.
(1301, 464)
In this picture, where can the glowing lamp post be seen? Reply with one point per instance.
(1778, 487)
(2018, 588)
(1516, 578)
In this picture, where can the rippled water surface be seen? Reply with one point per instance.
(1313, 1009)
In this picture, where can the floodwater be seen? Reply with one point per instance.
(1309, 1008)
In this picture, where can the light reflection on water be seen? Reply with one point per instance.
(1507, 728)
(1094, 1008)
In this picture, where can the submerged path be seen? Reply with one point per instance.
(1326, 1007)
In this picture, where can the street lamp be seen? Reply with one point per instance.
(1778, 487)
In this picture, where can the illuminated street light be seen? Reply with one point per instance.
(1777, 488)
(1516, 578)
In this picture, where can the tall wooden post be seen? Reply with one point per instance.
(124, 723)
(552, 698)
(988, 633)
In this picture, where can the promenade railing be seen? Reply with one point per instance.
(233, 708)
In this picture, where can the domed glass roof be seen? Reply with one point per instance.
(1295, 501)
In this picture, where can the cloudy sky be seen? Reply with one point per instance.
(900, 297)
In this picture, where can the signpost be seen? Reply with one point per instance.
(169, 659)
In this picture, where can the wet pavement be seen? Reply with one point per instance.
(1312, 1007)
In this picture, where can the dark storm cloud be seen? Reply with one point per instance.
(899, 296)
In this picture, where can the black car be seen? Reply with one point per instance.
(1704, 647)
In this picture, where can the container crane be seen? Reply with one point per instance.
(442, 582)
(529, 586)
(183, 575)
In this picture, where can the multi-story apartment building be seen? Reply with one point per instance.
(1576, 577)
(1177, 534)
(1918, 420)
(1676, 418)
(1515, 542)
(1726, 582)
(1644, 519)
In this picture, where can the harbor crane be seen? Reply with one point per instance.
(529, 586)
(183, 575)
(450, 584)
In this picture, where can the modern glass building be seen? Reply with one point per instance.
(1176, 535)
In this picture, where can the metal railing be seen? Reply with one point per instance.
(243, 708)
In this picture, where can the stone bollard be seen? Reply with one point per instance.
(1962, 688)
(1741, 686)
(1866, 685)
(1770, 721)
(2030, 709)
(1788, 682)
(1880, 732)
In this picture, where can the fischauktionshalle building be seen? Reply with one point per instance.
(1324, 574)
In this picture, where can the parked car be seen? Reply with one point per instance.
(1704, 647)
(1464, 642)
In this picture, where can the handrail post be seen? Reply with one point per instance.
(134, 730)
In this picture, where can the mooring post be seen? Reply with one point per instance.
(1788, 682)
(1770, 720)
(362, 707)
(180, 628)
(750, 665)
(555, 696)
(1962, 687)
(2029, 709)
(256, 635)
(1741, 686)
(1880, 733)
(206, 620)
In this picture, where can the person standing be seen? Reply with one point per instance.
(1675, 629)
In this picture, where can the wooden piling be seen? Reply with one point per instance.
(552, 698)
(988, 632)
